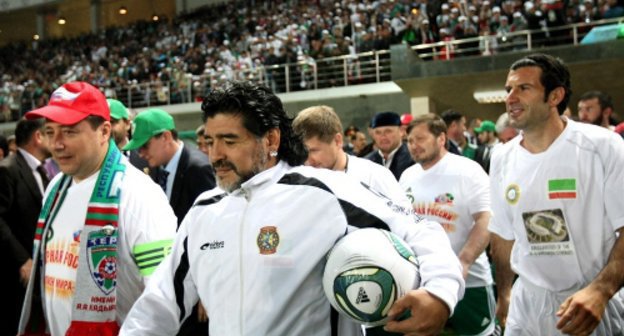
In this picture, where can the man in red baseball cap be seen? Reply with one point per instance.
(102, 223)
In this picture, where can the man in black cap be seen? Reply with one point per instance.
(391, 151)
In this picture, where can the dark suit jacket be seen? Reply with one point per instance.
(401, 160)
(483, 155)
(452, 148)
(193, 176)
(139, 163)
(20, 203)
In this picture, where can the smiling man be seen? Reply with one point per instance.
(103, 228)
(559, 211)
(255, 254)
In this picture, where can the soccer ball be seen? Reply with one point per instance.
(366, 271)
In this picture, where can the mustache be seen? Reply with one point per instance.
(223, 164)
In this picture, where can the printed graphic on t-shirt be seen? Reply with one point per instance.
(547, 232)
(438, 212)
(61, 258)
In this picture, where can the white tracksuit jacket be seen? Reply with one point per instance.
(255, 257)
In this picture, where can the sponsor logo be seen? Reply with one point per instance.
(362, 296)
(512, 194)
(562, 189)
(217, 244)
(268, 240)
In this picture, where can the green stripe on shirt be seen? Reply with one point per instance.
(149, 255)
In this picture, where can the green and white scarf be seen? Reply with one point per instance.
(94, 302)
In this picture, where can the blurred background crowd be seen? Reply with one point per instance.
(183, 56)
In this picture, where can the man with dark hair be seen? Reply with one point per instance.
(455, 128)
(22, 184)
(184, 172)
(103, 228)
(595, 107)
(557, 196)
(391, 151)
(454, 191)
(255, 254)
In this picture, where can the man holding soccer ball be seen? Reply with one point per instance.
(255, 253)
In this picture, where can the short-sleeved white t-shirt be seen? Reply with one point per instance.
(562, 206)
(450, 193)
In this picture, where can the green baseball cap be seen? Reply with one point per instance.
(117, 109)
(486, 126)
(147, 124)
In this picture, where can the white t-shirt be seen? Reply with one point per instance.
(450, 193)
(144, 217)
(561, 206)
(378, 177)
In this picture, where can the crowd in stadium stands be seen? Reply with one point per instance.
(177, 56)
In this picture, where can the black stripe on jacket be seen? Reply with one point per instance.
(356, 216)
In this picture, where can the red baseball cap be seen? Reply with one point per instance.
(71, 103)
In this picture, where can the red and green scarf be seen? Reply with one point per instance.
(94, 302)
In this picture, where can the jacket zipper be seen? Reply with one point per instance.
(240, 261)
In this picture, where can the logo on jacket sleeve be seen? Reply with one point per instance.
(268, 240)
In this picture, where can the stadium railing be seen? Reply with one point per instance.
(346, 70)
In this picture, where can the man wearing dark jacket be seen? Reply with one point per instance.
(391, 150)
(185, 172)
(22, 184)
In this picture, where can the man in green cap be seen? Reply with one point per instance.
(185, 171)
(486, 133)
(120, 122)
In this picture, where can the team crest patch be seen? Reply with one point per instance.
(102, 255)
(512, 194)
(446, 198)
(268, 240)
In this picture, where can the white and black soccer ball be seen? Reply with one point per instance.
(366, 271)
